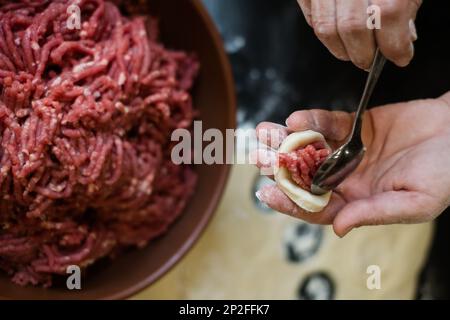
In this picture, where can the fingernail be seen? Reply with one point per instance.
(287, 121)
(412, 28)
(362, 65)
(346, 232)
(263, 194)
(342, 234)
(258, 195)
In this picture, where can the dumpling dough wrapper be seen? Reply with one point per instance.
(303, 198)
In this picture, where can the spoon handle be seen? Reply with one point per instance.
(375, 72)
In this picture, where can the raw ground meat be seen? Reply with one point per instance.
(85, 123)
(303, 163)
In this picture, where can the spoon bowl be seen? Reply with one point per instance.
(336, 168)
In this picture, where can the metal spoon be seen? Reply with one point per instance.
(341, 163)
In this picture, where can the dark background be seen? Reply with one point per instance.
(280, 66)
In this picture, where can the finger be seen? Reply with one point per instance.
(359, 41)
(273, 197)
(323, 18)
(264, 160)
(305, 5)
(397, 33)
(334, 125)
(385, 208)
(271, 134)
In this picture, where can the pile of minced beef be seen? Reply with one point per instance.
(85, 121)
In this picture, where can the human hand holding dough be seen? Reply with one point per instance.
(403, 177)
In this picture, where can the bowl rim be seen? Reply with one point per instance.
(221, 182)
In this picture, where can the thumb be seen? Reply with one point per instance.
(384, 208)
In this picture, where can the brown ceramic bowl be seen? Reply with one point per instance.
(184, 25)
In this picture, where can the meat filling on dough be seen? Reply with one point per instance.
(299, 157)
(304, 162)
